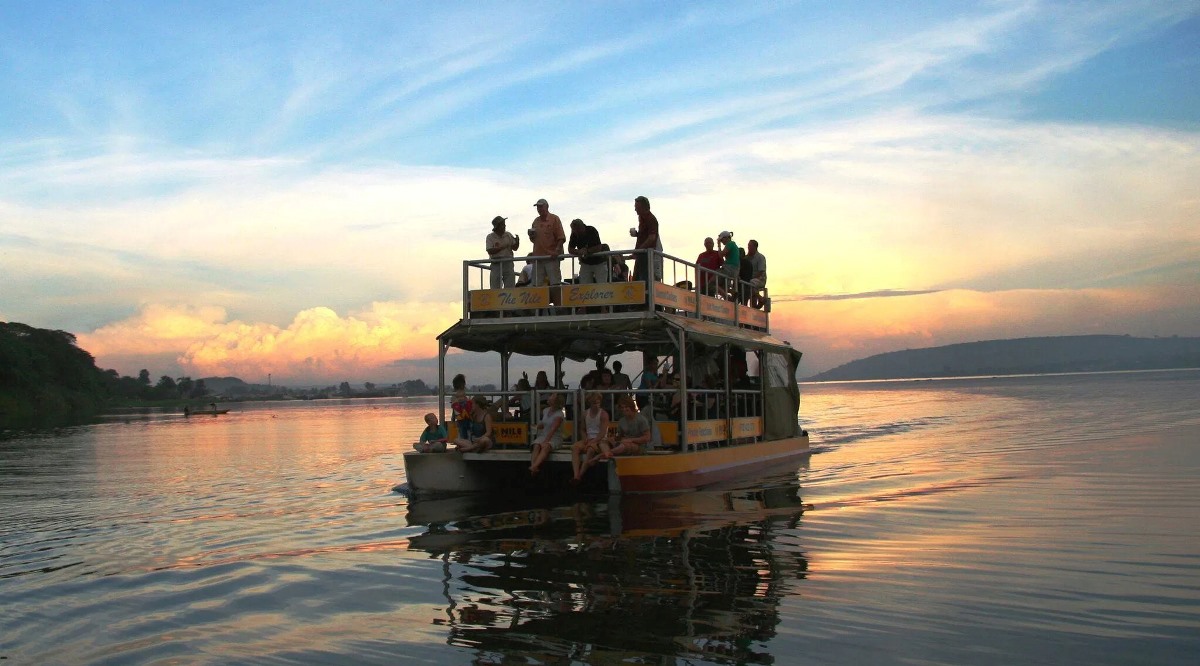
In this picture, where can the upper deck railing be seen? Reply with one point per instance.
(676, 285)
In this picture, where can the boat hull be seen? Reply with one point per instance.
(452, 472)
(670, 472)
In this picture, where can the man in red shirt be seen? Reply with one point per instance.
(710, 259)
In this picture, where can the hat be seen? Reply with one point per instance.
(541, 202)
(498, 219)
(725, 234)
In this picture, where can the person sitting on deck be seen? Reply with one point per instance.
(433, 437)
(633, 433)
(595, 424)
(478, 435)
(550, 433)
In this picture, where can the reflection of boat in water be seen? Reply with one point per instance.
(697, 575)
(711, 420)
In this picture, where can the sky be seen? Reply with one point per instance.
(287, 190)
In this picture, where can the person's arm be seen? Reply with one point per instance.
(494, 246)
(575, 244)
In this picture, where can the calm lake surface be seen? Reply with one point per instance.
(1043, 520)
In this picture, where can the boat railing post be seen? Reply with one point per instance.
(466, 289)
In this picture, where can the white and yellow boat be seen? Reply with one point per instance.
(732, 429)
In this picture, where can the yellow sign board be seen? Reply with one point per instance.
(523, 298)
(712, 307)
(603, 293)
(712, 430)
(674, 297)
(752, 317)
(511, 433)
(746, 426)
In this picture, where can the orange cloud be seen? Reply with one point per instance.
(318, 345)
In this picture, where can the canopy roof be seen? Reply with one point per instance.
(582, 338)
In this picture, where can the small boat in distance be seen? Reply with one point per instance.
(712, 420)
(211, 411)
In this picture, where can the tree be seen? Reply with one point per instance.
(370, 386)
(199, 390)
(344, 388)
(144, 377)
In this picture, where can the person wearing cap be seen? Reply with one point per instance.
(548, 239)
(500, 245)
(585, 242)
(732, 257)
(647, 239)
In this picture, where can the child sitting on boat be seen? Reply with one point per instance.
(433, 437)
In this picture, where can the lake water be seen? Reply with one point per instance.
(1051, 520)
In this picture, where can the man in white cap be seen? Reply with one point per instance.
(500, 245)
(733, 260)
(548, 239)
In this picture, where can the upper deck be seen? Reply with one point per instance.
(676, 293)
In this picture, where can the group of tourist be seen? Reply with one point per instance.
(474, 419)
(723, 268)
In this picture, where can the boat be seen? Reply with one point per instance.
(205, 412)
(718, 422)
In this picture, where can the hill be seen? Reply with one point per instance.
(1079, 353)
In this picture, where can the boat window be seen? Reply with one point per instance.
(775, 370)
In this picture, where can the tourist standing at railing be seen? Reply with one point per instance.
(584, 243)
(757, 262)
(620, 379)
(732, 256)
(710, 259)
(500, 246)
(647, 239)
(548, 240)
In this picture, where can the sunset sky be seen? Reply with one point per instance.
(230, 188)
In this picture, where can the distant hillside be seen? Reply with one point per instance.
(1080, 353)
(232, 386)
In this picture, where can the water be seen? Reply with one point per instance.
(984, 521)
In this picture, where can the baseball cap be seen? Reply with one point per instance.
(541, 202)
(725, 234)
(498, 219)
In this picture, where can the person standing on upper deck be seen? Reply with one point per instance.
(758, 275)
(585, 241)
(500, 245)
(647, 239)
(548, 240)
(709, 259)
(733, 259)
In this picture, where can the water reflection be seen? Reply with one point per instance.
(697, 575)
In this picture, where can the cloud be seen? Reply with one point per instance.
(318, 345)
(832, 332)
